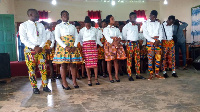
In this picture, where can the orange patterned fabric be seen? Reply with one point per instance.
(49, 56)
(168, 43)
(101, 54)
(112, 53)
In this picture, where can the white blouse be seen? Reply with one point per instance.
(111, 31)
(89, 34)
(152, 29)
(64, 29)
(50, 36)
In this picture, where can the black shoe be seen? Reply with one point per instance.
(118, 80)
(90, 83)
(112, 81)
(36, 91)
(97, 82)
(66, 88)
(165, 75)
(175, 75)
(140, 77)
(46, 89)
(59, 77)
(130, 79)
(76, 86)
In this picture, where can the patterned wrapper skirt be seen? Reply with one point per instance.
(112, 53)
(90, 54)
(49, 56)
(101, 54)
(63, 56)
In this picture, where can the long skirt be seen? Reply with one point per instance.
(63, 56)
(90, 54)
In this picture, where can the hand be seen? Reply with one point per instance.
(38, 49)
(156, 43)
(73, 49)
(68, 49)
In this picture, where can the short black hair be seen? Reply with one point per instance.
(64, 12)
(77, 23)
(44, 23)
(59, 21)
(121, 23)
(154, 12)
(104, 20)
(31, 10)
(87, 19)
(171, 18)
(176, 22)
(108, 19)
(132, 13)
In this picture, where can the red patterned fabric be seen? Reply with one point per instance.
(90, 54)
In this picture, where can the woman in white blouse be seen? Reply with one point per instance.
(114, 51)
(66, 51)
(88, 39)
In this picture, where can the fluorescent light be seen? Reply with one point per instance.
(113, 3)
(54, 2)
(165, 2)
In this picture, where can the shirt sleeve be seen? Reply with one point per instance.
(119, 34)
(44, 38)
(146, 33)
(107, 35)
(184, 25)
(80, 37)
(57, 37)
(24, 38)
(52, 40)
(124, 32)
(161, 32)
(99, 36)
(76, 37)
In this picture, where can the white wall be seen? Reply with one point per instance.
(78, 10)
(7, 7)
(182, 10)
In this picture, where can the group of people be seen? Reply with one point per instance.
(90, 47)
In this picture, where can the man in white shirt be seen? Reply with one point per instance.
(152, 31)
(168, 46)
(130, 34)
(33, 36)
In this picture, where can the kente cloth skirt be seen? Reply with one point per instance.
(112, 53)
(63, 56)
(90, 53)
(49, 56)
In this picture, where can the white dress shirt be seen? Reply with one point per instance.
(89, 34)
(168, 30)
(111, 31)
(50, 36)
(28, 34)
(64, 29)
(130, 32)
(152, 29)
(100, 35)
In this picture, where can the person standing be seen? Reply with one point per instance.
(33, 35)
(180, 42)
(152, 31)
(130, 33)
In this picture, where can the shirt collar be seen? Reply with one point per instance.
(66, 23)
(110, 26)
(131, 23)
(32, 22)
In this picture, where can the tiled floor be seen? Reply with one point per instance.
(170, 95)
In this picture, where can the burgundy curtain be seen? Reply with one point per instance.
(43, 14)
(94, 14)
(140, 14)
